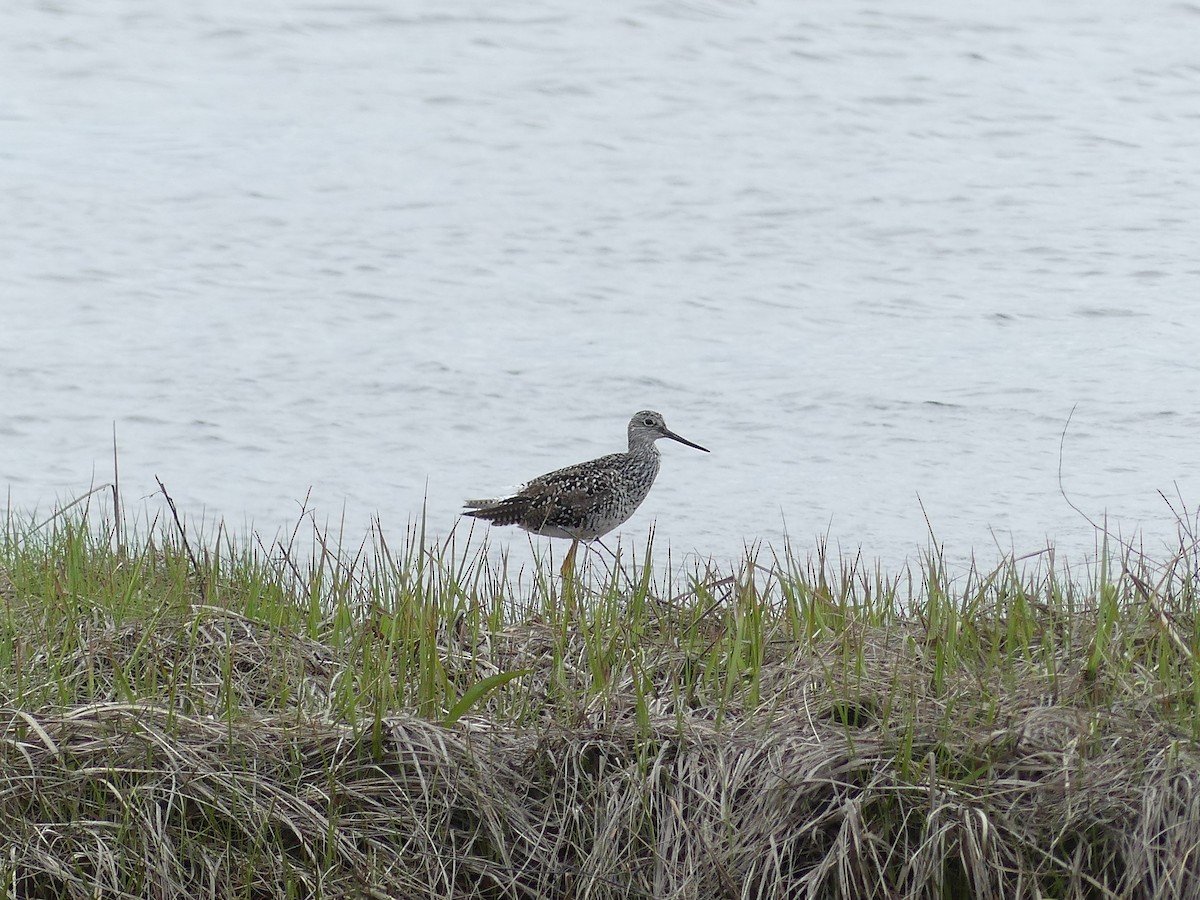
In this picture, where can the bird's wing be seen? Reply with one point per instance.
(577, 489)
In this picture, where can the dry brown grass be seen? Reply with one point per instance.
(1020, 739)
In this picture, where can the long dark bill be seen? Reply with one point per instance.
(673, 436)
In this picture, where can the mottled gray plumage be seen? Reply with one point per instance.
(588, 500)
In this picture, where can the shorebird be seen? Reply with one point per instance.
(584, 502)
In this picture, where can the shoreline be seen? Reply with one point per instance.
(208, 719)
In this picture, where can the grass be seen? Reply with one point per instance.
(212, 718)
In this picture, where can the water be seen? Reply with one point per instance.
(870, 254)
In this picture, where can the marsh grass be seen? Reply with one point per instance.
(209, 717)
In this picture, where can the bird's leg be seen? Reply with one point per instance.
(568, 575)
(568, 566)
(611, 569)
(606, 550)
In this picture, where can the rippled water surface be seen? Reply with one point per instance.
(871, 254)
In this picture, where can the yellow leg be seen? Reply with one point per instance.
(569, 561)
(568, 575)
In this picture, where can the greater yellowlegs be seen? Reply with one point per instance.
(586, 501)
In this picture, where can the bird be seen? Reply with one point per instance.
(585, 501)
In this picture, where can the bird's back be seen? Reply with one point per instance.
(583, 501)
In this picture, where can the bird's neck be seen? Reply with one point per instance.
(642, 448)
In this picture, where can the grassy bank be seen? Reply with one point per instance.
(207, 718)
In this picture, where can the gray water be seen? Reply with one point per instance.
(389, 256)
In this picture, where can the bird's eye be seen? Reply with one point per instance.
(648, 422)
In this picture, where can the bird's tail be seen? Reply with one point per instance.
(505, 511)
(480, 504)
